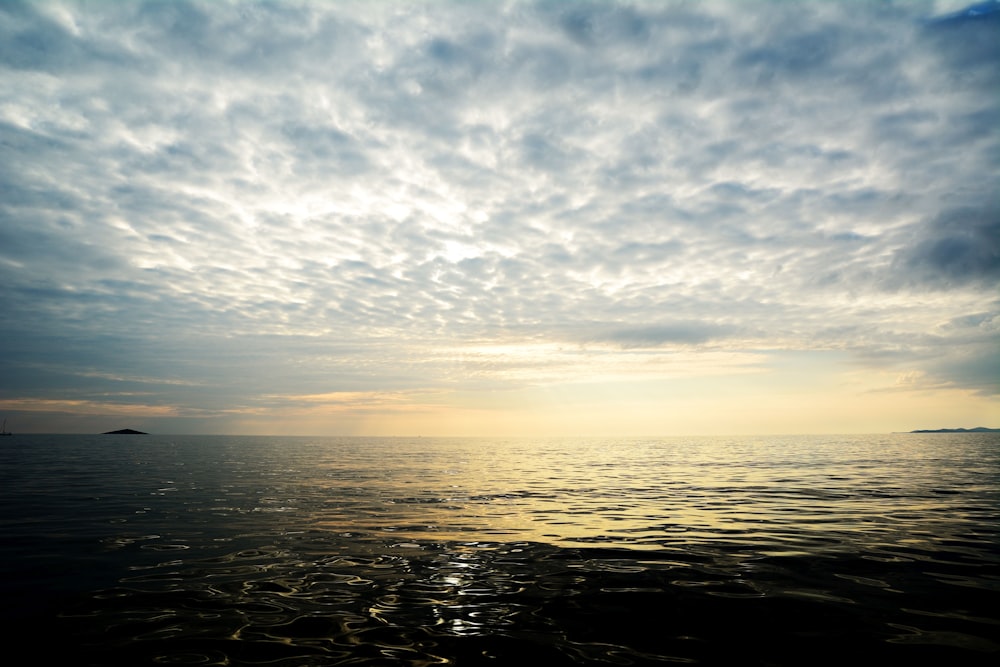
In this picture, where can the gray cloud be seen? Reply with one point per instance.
(684, 333)
(960, 245)
(228, 186)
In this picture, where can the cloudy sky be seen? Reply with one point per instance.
(499, 217)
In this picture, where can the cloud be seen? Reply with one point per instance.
(317, 197)
(678, 333)
(960, 245)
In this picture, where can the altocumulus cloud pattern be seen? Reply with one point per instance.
(212, 211)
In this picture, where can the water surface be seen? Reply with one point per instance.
(328, 551)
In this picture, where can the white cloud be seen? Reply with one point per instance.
(251, 182)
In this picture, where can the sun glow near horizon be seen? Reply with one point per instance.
(753, 401)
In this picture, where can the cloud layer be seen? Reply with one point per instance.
(211, 206)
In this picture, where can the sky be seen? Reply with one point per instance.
(499, 218)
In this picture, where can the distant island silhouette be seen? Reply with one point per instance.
(125, 431)
(978, 429)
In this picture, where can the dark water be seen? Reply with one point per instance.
(126, 550)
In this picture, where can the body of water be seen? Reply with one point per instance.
(202, 550)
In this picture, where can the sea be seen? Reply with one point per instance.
(298, 551)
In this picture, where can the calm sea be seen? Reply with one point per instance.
(136, 550)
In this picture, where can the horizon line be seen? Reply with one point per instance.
(974, 429)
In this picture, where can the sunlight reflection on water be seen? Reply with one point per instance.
(420, 551)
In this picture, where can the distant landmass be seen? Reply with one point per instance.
(125, 431)
(978, 429)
